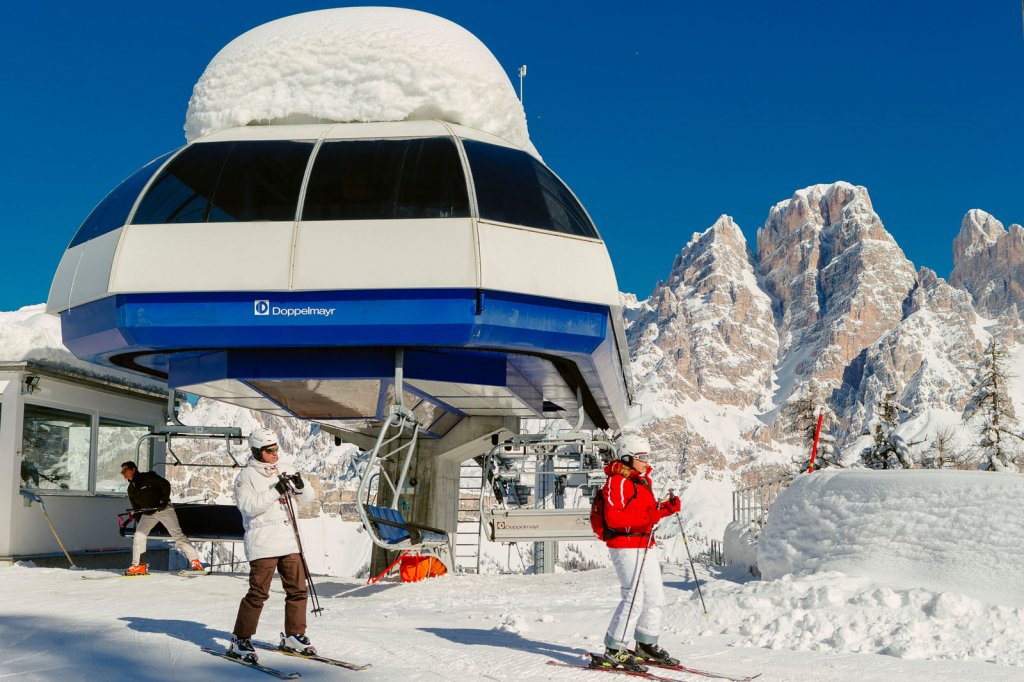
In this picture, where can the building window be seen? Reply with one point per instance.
(56, 445)
(387, 180)
(112, 212)
(117, 443)
(513, 187)
(218, 182)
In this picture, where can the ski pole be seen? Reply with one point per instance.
(317, 609)
(32, 497)
(636, 583)
(689, 556)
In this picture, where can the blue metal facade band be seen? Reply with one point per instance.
(252, 334)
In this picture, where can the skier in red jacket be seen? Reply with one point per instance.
(630, 514)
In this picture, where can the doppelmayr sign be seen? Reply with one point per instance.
(264, 308)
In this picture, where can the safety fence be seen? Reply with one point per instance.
(751, 503)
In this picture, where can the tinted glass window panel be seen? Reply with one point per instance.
(182, 192)
(260, 181)
(56, 446)
(385, 180)
(514, 187)
(117, 443)
(227, 182)
(112, 212)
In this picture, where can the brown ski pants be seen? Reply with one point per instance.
(261, 574)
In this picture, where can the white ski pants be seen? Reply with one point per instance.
(170, 521)
(639, 613)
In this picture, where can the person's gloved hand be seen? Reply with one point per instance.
(671, 505)
(297, 481)
(282, 485)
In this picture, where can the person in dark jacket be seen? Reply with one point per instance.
(150, 497)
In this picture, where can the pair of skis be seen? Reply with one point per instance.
(183, 574)
(280, 674)
(652, 676)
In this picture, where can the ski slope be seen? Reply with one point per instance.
(56, 626)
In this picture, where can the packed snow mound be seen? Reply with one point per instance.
(948, 531)
(29, 334)
(356, 64)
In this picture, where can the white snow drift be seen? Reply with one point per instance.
(356, 64)
(944, 531)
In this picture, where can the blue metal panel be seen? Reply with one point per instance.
(351, 334)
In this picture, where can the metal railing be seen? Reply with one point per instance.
(751, 503)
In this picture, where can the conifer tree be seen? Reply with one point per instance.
(997, 427)
(800, 417)
(888, 450)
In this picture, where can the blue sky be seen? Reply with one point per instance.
(661, 117)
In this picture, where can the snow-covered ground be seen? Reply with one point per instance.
(899, 609)
(828, 626)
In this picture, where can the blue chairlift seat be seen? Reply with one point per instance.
(393, 529)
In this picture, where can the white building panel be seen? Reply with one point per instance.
(92, 278)
(541, 263)
(382, 254)
(203, 257)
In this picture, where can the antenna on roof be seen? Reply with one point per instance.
(522, 72)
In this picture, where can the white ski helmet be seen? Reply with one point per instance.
(261, 438)
(633, 444)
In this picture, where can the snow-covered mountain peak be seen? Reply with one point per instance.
(988, 261)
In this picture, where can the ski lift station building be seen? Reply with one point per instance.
(63, 435)
(309, 270)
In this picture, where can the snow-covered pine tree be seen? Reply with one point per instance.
(800, 418)
(998, 431)
(889, 449)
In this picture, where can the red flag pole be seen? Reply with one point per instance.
(817, 432)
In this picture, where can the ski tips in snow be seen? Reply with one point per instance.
(651, 676)
(315, 657)
(279, 674)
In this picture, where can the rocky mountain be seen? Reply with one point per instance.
(988, 261)
(827, 305)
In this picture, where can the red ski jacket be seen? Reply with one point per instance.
(630, 510)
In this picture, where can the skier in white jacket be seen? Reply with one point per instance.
(261, 493)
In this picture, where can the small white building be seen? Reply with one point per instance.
(63, 435)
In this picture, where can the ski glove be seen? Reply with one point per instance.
(297, 481)
(671, 505)
(282, 486)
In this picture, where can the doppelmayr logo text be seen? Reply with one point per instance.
(263, 308)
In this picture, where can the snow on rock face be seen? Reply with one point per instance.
(940, 530)
(932, 355)
(712, 324)
(988, 261)
(356, 64)
(838, 275)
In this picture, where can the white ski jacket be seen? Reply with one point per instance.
(268, 530)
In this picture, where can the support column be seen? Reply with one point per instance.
(436, 468)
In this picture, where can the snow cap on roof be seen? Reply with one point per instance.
(356, 64)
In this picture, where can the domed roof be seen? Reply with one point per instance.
(357, 64)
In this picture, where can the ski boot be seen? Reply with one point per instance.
(241, 647)
(652, 653)
(297, 644)
(136, 569)
(196, 565)
(620, 659)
